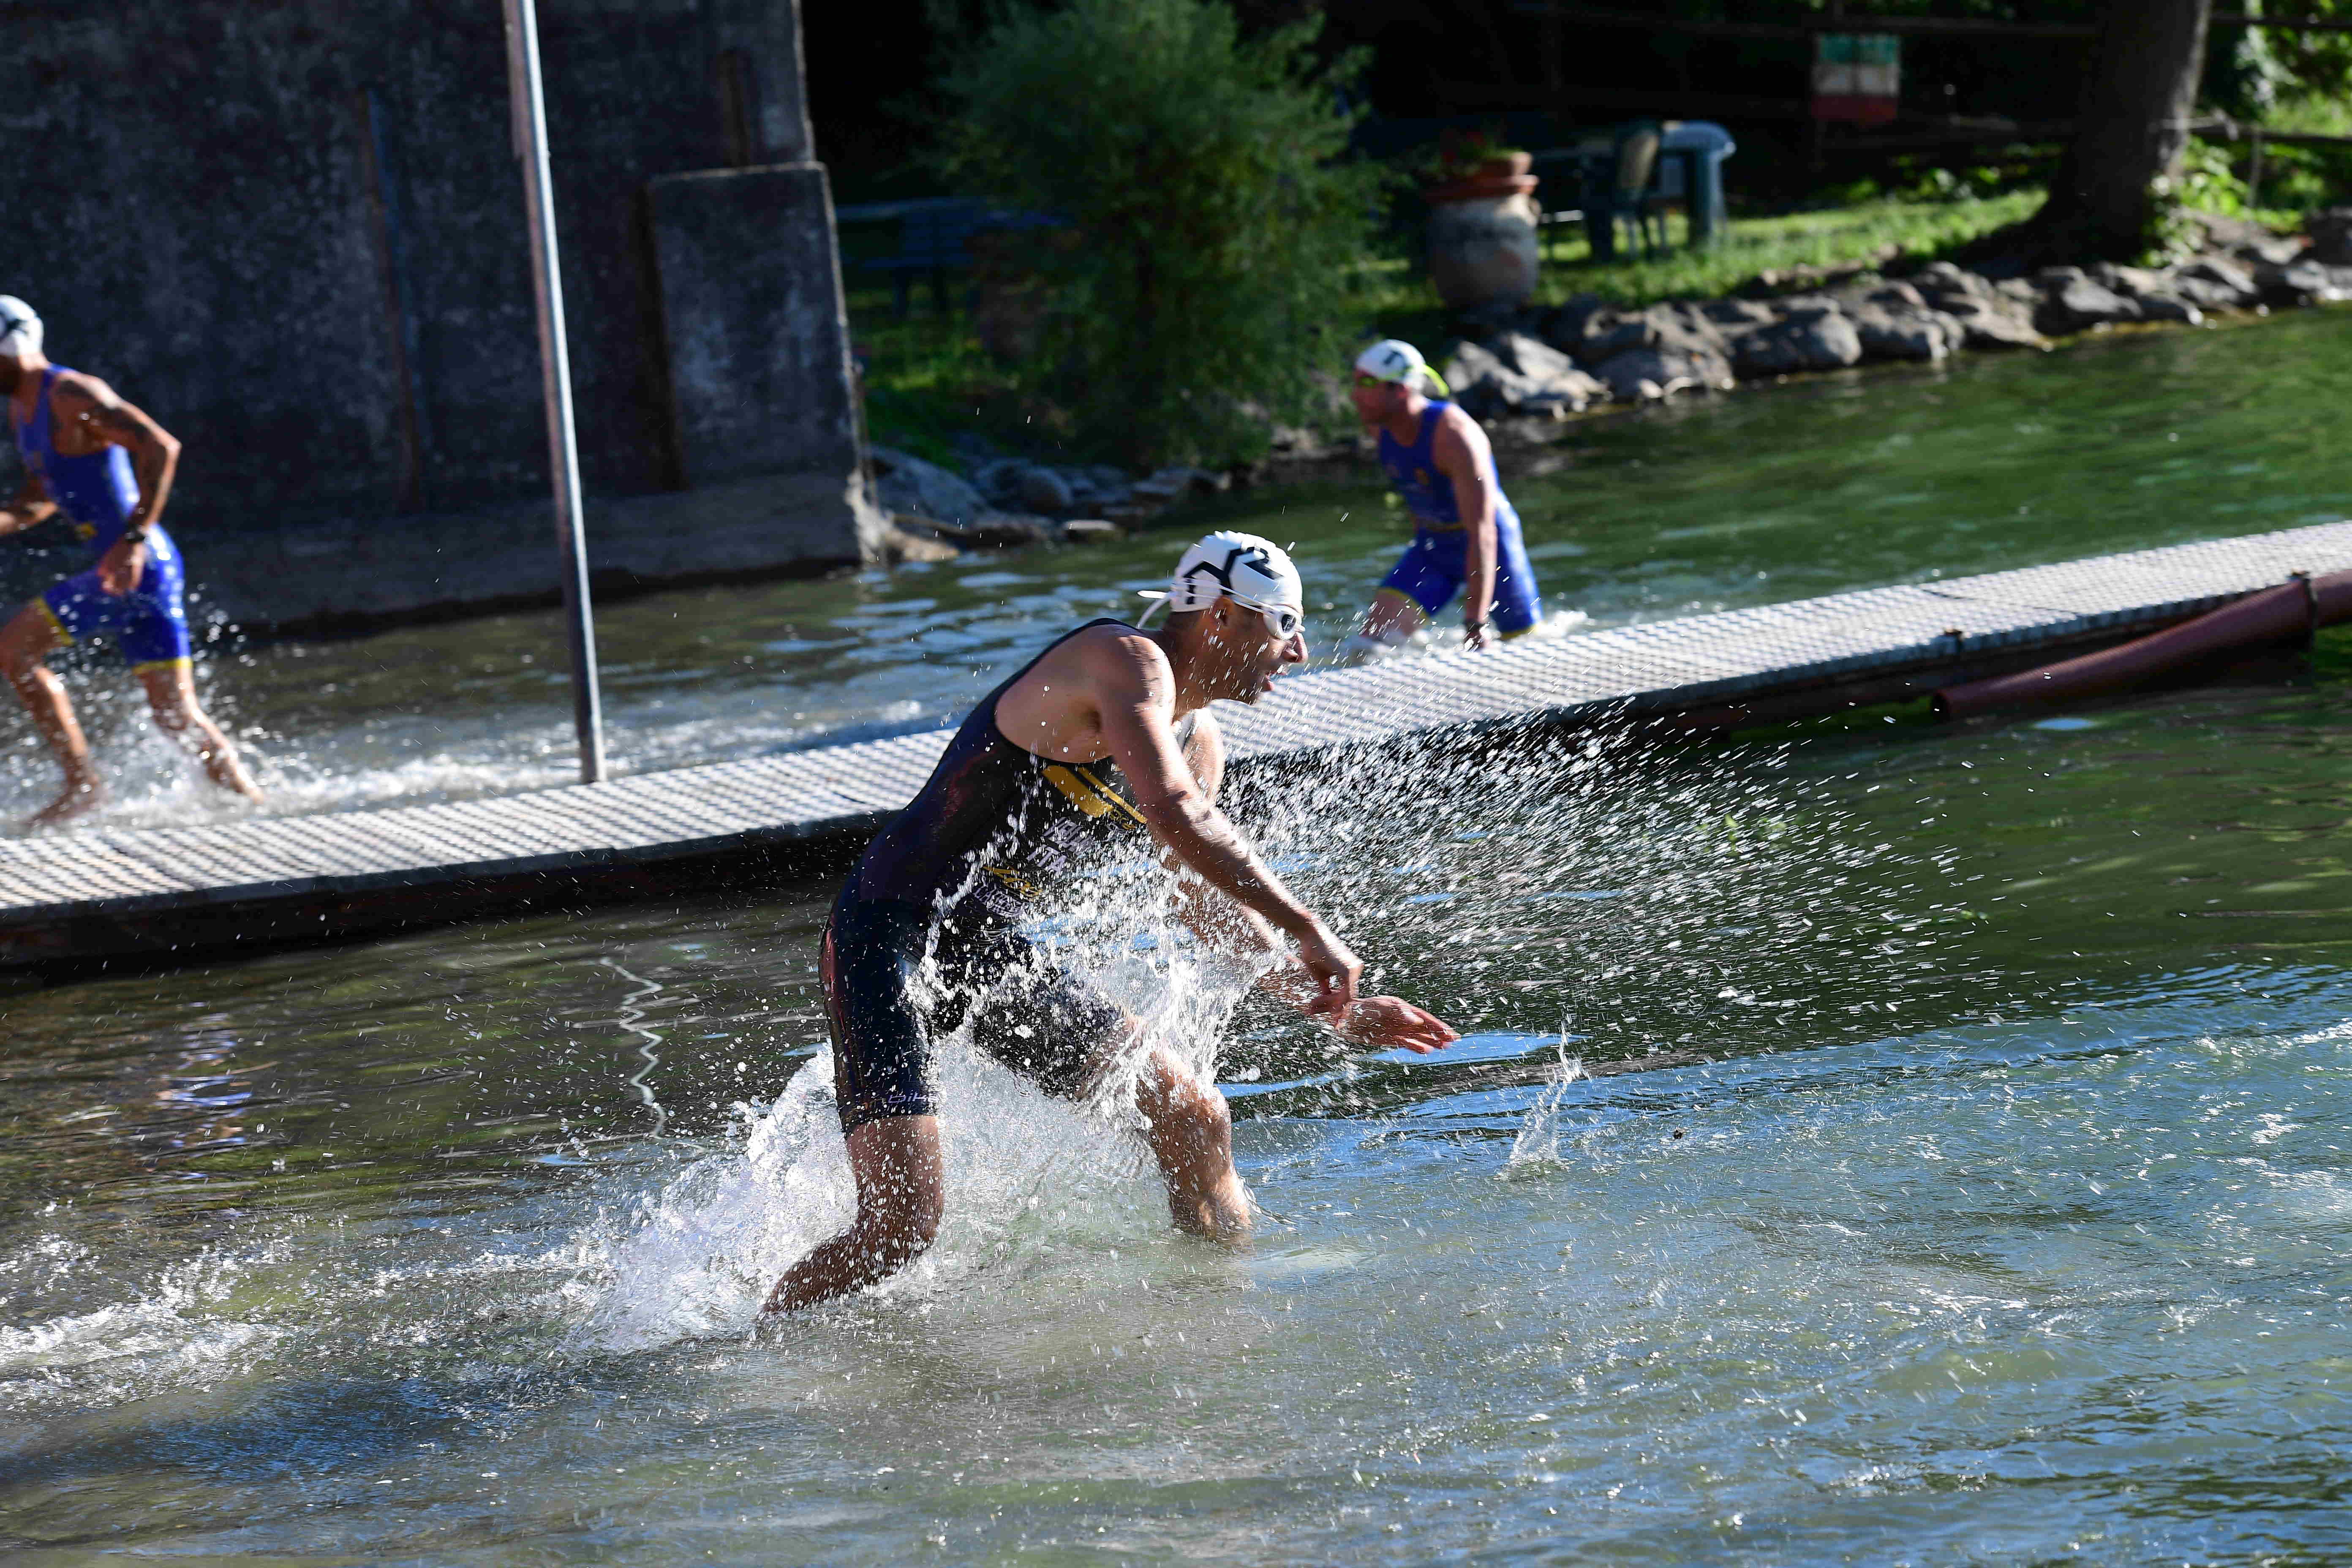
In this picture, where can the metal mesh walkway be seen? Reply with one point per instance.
(91, 893)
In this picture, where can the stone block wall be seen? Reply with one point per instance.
(292, 230)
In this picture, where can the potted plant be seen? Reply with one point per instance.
(1482, 222)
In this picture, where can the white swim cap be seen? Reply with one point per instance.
(1393, 358)
(1252, 571)
(20, 330)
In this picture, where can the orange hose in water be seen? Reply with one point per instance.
(2268, 615)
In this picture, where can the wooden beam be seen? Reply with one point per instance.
(2278, 23)
(1852, 22)
(1658, 101)
(1936, 27)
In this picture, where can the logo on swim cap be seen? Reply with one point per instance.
(20, 329)
(1253, 572)
(1393, 358)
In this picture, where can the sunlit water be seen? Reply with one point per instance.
(2006, 1220)
(1883, 1144)
(1843, 482)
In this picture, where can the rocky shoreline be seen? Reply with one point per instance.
(1521, 369)
(999, 502)
(1565, 359)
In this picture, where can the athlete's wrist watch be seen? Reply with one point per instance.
(1478, 625)
(136, 535)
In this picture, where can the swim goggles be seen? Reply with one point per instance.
(1280, 619)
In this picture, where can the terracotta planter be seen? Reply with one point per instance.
(1482, 235)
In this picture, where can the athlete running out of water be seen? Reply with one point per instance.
(1102, 745)
(107, 467)
(1466, 536)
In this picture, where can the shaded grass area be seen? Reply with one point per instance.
(927, 379)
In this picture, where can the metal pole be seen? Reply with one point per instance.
(562, 451)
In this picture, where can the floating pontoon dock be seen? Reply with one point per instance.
(145, 895)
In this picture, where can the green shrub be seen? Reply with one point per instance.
(1214, 219)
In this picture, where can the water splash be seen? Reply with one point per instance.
(173, 1334)
(1031, 1181)
(1538, 1137)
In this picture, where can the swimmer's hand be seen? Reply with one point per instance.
(120, 569)
(1387, 1023)
(1333, 967)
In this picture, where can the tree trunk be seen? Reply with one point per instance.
(2131, 130)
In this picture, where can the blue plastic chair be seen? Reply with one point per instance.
(1621, 192)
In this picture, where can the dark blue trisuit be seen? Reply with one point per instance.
(97, 494)
(1436, 563)
(926, 935)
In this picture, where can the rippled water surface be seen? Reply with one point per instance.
(1887, 1143)
(1842, 483)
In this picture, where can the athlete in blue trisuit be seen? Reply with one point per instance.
(1465, 534)
(107, 467)
(1100, 749)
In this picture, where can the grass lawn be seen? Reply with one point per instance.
(1402, 302)
(927, 377)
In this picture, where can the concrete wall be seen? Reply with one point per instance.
(291, 229)
(751, 312)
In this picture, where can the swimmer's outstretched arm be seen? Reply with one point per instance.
(1133, 696)
(1235, 929)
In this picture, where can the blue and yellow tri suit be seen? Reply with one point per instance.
(97, 494)
(1436, 564)
(925, 938)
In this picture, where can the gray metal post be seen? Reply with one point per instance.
(562, 451)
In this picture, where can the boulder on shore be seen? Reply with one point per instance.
(1646, 375)
(904, 482)
(1944, 285)
(2077, 304)
(1517, 375)
(1993, 323)
(1807, 339)
(2297, 283)
(1892, 327)
(1008, 530)
(1735, 315)
(2213, 283)
(1043, 490)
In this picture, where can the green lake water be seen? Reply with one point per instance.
(1955, 1171)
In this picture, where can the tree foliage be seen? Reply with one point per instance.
(1214, 218)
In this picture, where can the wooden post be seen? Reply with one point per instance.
(555, 367)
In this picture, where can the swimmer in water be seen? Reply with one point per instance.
(107, 467)
(1102, 746)
(1466, 536)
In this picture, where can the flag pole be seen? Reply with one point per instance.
(562, 450)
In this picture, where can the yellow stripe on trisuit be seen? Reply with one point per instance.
(1014, 882)
(1089, 794)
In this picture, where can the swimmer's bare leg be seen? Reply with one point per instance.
(26, 641)
(1388, 623)
(171, 699)
(1191, 1130)
(901, 1190)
